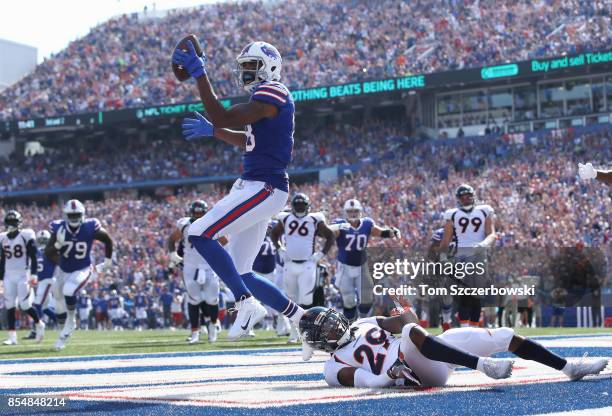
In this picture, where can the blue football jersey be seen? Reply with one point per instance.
(140, 300)
(75, 254)
(83, 302)
(46, 268)
(265, 262)
(100, 305)
(270, 140)
(113, 302)
(352, 242)
(438, 235)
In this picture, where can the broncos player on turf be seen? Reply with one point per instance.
(471, 226)
(262, 190)
(367, 354)
(300, 227)
(70, 247)
(352, 276)
(18, 269)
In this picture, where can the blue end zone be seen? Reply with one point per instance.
(507, 401)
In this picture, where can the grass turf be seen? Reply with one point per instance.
(135, 342)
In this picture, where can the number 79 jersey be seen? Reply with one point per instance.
(469, 227)
(373, 349)
(75, 253)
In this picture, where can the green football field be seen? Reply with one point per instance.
(134, 342)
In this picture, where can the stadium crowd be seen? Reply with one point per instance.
(124, 62)
(127, 160)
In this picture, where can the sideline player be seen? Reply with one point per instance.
(201, 283)
(587, 172)
(367, 354)
(300, 228)
(84, 306)
(352, 236)
(115, 310)
(46, 279)
(70, 247)
(470, 226)
(262, 190)
(18, 254)
(265, 264)
(434, 254)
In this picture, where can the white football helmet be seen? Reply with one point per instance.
(267, 61)
(74, 210)
(43, 237)
(352, 209)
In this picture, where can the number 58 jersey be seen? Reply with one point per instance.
(75, 253)
(372, 349)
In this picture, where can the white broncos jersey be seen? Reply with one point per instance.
(372, 349)
(300, 233)
(469, 227)
(191, 257)
(15, 250)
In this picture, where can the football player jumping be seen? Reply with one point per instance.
(18, 269)
(586, 172)
(352, 276)
(367, 354)
(70, 247)
(262, 190)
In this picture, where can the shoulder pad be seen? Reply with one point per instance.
(319, 216)
(449, 213)
(29, 234)
(182, 222)
(487, 209)
(271, 93)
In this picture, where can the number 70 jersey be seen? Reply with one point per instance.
(75, 253)
(353, 241)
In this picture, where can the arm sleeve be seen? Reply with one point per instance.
(331, 369)
(364, 378)
(32, 251)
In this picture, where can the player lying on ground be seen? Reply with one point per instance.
(366, 354)
(588, 172)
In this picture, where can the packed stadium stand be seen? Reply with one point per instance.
(124, 62)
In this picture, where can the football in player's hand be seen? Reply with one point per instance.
(179, 72)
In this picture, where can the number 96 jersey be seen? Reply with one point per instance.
(372, 349)
(300, 233)
(469, 227)
(75, 253)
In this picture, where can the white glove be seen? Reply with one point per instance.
(282, 252)
(317, 256)
(105, 266)
(587, 171)
(175, 259)
(396, 232)
(307, 351)
(60, 237)
(33, 280)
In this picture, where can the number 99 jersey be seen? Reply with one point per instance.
(373, 349)
(469, 227)
(352, 242)
(75, 253)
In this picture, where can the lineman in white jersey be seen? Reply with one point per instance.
(201, 282)
(471, 227)
(300, 228)
(367, 354)
(18, 269)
